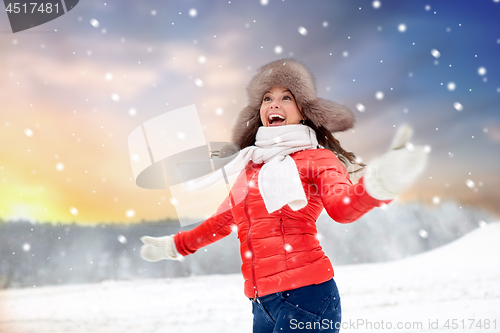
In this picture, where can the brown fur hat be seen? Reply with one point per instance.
(293, 75)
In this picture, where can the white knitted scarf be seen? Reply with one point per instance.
(279, 181)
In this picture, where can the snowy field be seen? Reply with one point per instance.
(459, 281)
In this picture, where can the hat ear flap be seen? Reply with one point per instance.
(248, 122)
(331, 115)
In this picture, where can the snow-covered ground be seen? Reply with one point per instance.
(459, 282)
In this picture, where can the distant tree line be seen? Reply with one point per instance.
(38, 254)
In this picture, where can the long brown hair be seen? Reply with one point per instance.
(328, 141)
(324, 137)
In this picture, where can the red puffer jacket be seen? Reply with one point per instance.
(280, 250)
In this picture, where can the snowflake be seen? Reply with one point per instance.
(360, 107)
(28, 132)
(122, 239)
(302, 31)
(458, 106)
(435, 53)
(94, 23)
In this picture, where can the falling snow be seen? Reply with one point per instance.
(458, 106)
(28, 132)
(122, 239)
(470, 183)
(94, 23)
(409, 146)
(219, 107)
(422, 233)
(73, 211)
(435, 53)
(198, 82)
(302, 31)
(360, 107)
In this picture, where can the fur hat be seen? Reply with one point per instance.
(293, 75)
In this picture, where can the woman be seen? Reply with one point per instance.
(293, 169)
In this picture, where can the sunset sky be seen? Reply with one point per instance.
(73, 89)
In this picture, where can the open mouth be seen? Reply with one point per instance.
(275, 120)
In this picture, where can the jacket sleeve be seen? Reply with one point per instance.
(211, 230)
(343, 201)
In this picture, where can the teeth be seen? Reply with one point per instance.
(274, 116)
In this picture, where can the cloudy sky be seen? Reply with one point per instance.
(73, 89)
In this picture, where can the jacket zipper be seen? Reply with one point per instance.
(249, 241)
(283, 237)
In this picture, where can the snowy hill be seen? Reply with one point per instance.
(460, 281)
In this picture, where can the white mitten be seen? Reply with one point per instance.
(391, 173)
(158, 248)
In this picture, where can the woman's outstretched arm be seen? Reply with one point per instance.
(211, 230)
(343, 201)
(385, 177)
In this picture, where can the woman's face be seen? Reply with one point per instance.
(279, 108)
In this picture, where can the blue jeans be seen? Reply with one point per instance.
(314, 308)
